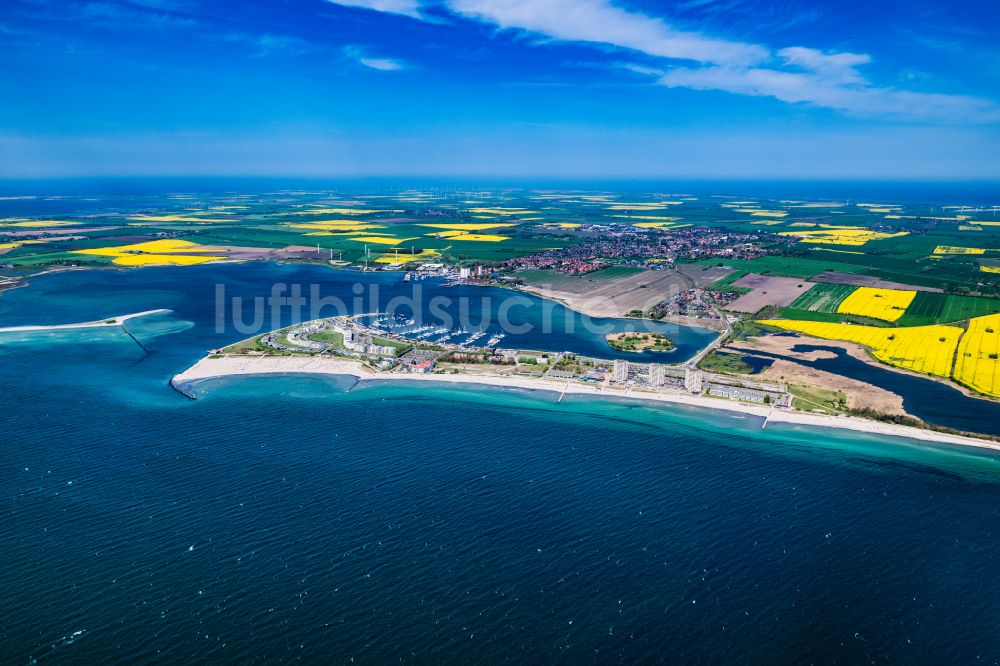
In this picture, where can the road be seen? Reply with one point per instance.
(715, 344)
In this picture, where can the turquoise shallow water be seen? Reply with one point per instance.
(292, 518)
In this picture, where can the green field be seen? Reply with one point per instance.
(934, 308)
(823, 297)
(796, 267)
(831, 317)
(330, 337)
(728, 280)
(558, 280)
(612, 272)
(36, 257)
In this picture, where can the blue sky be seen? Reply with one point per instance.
(567, 88)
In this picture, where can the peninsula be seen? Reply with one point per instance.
(110, 322)
(366, 347)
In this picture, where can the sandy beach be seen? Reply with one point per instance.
(212, 367)
(110, 321)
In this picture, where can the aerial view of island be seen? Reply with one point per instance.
(475, 331)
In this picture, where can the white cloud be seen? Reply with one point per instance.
(405, 7)
(599, 21)
(358, 55)
(382, 64)
(841, 67)
(834, 89)
(796, 74)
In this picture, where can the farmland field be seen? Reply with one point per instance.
(965, 307)
(933, 308)
(887, 304)
(823, 297)
(925, 349)
(767, 290)
(796, 267)
(792, 312)
(977, 362)
(574, 283)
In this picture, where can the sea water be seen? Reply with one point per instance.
(287, 518)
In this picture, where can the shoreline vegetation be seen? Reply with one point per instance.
(639, 342)
(216, 366)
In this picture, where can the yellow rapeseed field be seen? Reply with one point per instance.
(652, 218)
(642, 207)
(176, 218)
(887, 304)
(353, 232)
(977, 362)
(646, 204)
(470, 226)
(157, 252)
(926, 349)
(39, 224)
(381, 240)
(163, 259)
(15, 244)
(341, 211)
(951, 249)
(830, 249)
(839, 235)
(423, 255)
(970, 356)
(337, 225)
(461, 235)
(762, 212)
(501, 211)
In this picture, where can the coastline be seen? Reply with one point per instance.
(860, 353)
(216, 366)
(102, 323)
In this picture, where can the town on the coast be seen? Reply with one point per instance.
(825, 307)
(396, 345)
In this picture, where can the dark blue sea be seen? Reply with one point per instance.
(313, 519)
